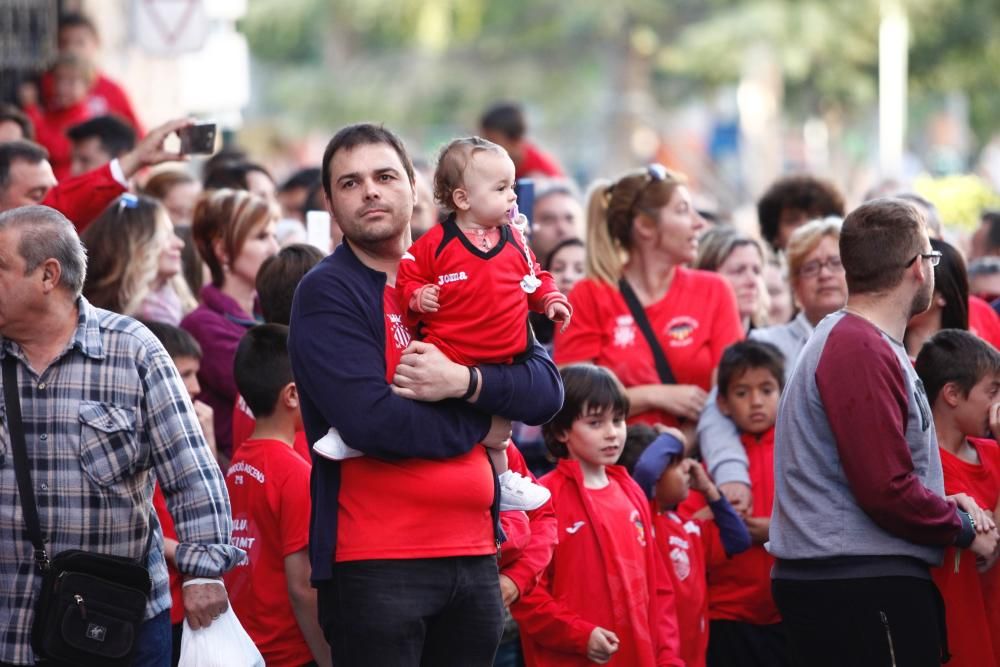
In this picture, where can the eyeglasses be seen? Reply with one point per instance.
(812, 268)
(934, 256)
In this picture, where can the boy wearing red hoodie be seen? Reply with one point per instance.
(605, 595)
(961, 374)
(688, 545)
(744, 623)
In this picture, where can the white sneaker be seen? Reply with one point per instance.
(520, 493)
(332, 446)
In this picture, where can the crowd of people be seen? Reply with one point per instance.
(614, 430)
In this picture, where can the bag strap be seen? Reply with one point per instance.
(15, 426)
(11, 397)
(639, 315)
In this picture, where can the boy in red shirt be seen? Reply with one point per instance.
(605, 595)
(467, 284)
(688, 545)
(745, 626)
(961, 374)
(268, 487)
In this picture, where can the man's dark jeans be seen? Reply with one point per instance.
(405, 613)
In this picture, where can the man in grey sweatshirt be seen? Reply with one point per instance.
(859, 511)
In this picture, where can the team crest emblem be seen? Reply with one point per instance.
(400, 336)
(680, 331)
(640, 529)
(682, 564)
(624, 331)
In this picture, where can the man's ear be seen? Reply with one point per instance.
(51, 274)
(461, 199)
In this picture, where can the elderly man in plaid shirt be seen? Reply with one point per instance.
(103, 408)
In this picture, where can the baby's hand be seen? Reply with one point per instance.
(427, 299)
(559, 312)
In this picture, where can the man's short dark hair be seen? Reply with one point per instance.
(953, 355)
(818, 198)
(12, 151)
(77, 20)
(278, 277)
(877, 240)
(303, 179)
(506, 118)
(232, 175)
(115, 135)
(176, 341)
(262, 368)
(749, 355)
(362, 134)
(11, 114)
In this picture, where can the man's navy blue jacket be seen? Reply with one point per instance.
(337, 346)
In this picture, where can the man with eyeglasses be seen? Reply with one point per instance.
(859, 511)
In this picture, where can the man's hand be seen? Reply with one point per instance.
(739, 496)
(984, 522)
(425, 374)
(509, 590)
(602, 645)
(759, 528)
(150, 150)
(559, 312)
(203, 603)
(427, 299)
(499, 435)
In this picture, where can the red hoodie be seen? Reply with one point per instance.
(575, 594)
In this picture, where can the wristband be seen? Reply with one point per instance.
(473, 384)
(198, 581)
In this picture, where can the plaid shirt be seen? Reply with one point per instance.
(106, 414)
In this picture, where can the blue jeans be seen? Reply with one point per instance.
(406, 613)
(154, 645)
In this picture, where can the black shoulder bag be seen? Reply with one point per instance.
(91, 605)
(639, 315)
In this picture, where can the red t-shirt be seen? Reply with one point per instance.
(413, 508)
(688, 547)
(626, 542)
(167, 525)
(105, 97)
(50, 132)
(972, 606)
(483, 315)
(694, 322)
(244, 425)
(739, 588)
(984, 321)
(268, 488)
(535, 162)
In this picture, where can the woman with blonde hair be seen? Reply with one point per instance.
(660, 326)
(739, 259)
(134, 262)
(234, 231)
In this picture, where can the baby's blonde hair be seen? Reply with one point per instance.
(452, 162)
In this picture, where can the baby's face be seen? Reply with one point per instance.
(70, 87)
(489, 182)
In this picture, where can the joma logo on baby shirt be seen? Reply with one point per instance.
(452, 278)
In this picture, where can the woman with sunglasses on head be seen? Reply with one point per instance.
(642, 232)
(134, 262)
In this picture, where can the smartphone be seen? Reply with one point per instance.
(524, 188)
(197, 139)
(318, 229)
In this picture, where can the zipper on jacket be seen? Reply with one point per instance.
(888, 636)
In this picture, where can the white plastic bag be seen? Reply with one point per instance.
(222, 644)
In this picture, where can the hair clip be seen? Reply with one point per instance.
(127, 200)
(657, 172)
